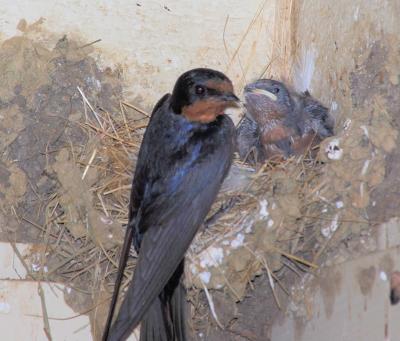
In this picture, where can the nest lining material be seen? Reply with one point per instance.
(262, 219)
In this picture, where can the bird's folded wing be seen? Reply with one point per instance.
(170, 223)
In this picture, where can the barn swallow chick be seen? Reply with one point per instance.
(249, 144)
(279, 122)
(395, 287)
(184, 157)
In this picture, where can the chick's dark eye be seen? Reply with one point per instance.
(275, 90)
(200, 90)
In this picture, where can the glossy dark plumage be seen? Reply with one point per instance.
(280, 122)
(181, 165)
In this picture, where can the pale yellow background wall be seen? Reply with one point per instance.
(155, 41)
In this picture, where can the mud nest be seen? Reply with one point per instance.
(264, 220)
(74, 163)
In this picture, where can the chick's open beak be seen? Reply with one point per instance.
(263, 92)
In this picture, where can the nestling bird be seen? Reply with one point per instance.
(395, 287)
(185, 155)
(280, 122)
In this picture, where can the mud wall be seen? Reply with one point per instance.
(347, 54)
(155, 41)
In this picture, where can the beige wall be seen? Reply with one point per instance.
(347, 54)
(157, 40)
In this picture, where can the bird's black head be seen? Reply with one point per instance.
(202, 94)
(268, 91)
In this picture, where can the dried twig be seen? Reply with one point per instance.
(89, 44)
(95, 114)
(46, 326)
(212, 308)
(134, 107)
(89, 163)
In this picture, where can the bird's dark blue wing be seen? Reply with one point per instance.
(136, 199)
(169, 218)
(140, 178)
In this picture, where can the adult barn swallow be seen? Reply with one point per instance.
(186, 153)
(280, 122)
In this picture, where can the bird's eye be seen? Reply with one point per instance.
(275, 90)
(200, 90)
